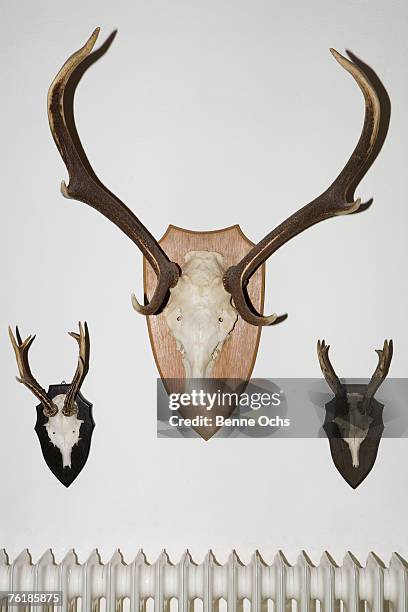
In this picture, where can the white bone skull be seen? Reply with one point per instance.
(354, 427)
(63, 431)
(199, 312)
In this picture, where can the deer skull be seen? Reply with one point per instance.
(354, 428)
(63, 431)
(199, 312)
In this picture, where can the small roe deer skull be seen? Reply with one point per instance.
(199, 312)
(63, 426)
(63, 431)
(354, 427)
(354, 409)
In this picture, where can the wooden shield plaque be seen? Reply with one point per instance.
(238, 355)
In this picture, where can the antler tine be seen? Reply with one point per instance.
(21, 348)
(328, 370)
(338, 199)
(83, 340)
(86, 187)
(380, 373)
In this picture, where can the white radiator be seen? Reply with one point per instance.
(167, 586)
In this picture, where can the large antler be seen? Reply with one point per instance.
(338, 199)
(380, 373)
(85, 186)
(82, 338)
(328, 371)
(26, 378)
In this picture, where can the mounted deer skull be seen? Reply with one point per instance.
(199, 313)
(62, 424)
(354, 411)
(206, 297)
(63, 429)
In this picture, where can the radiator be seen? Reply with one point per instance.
(163, 585)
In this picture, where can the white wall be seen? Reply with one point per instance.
(203, 113)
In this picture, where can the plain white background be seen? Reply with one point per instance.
(203, 113)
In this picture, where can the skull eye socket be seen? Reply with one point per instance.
(179, 318)
(53, 433)
(73, 431)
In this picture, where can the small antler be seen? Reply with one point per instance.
(21, 349)
(82, 338)
(380, 373)
(328, 370)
